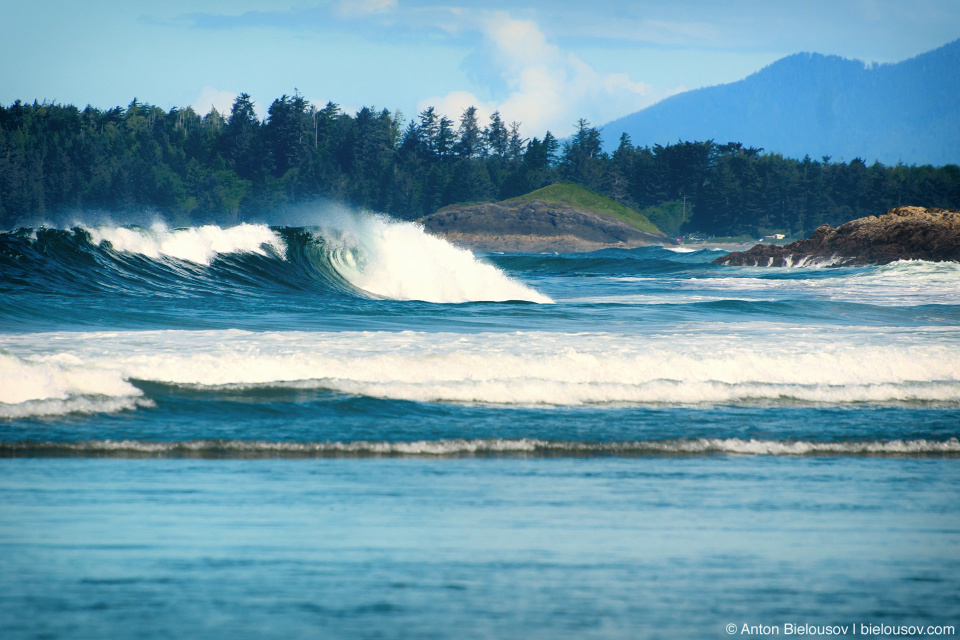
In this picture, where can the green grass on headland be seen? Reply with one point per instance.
(585, 200)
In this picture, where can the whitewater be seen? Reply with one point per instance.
(353, 428)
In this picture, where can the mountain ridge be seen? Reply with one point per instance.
(819, 105)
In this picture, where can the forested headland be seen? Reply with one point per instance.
(58, 159)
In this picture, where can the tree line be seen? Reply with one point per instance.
(58, 159)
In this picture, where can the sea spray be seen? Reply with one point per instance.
(400, 261)
(195, 244)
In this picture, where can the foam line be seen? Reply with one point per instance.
(903, 283)
(868, 365)
(480, 447)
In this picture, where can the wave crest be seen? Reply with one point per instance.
(200, 245)
(400, 261)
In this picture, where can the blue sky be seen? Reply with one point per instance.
(542, 63)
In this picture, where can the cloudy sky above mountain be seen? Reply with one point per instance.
(543, 63)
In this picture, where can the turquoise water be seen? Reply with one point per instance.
(354, 430)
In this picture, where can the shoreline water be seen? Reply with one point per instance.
(362, 432)
(585, 549)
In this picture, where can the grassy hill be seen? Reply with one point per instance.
(578, 197)
(561, 218)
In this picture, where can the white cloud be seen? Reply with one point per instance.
(454, 103)
(213, 98)
(546, 87)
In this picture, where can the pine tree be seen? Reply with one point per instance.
(469, 137)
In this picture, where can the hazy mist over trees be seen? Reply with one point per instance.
(57, 159)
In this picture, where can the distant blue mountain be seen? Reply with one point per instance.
(810, 104)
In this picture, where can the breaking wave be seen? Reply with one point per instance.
(400, 261)
(520, 369)
(366, 255)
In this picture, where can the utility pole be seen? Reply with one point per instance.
(684, 210)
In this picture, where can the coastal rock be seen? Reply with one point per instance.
(535, 227)
(903, 233)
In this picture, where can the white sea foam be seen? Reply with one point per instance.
(903, 283)
(485, 446)
(664, 298)
(59, 384)
(775, 364)
(196, 244)
(398, 260)
(87, 405)
(57, 376)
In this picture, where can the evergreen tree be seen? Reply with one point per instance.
(517, 144)
(57, 158)
(288, 130)
(469, 137)
(496, 136)
(241, 138)
(583, 157)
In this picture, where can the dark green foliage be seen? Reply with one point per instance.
(733, 190)
(241, 143)
(58, 159)
(469, 137)
(669, 217)
(583, 159)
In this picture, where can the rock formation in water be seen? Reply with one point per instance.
(903, 233)
(534, 226)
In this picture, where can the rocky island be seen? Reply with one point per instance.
(562, 218)
(903, 233)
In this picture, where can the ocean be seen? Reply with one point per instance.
(352, 429)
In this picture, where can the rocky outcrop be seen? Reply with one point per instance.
(534, 227)
(904, 233)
